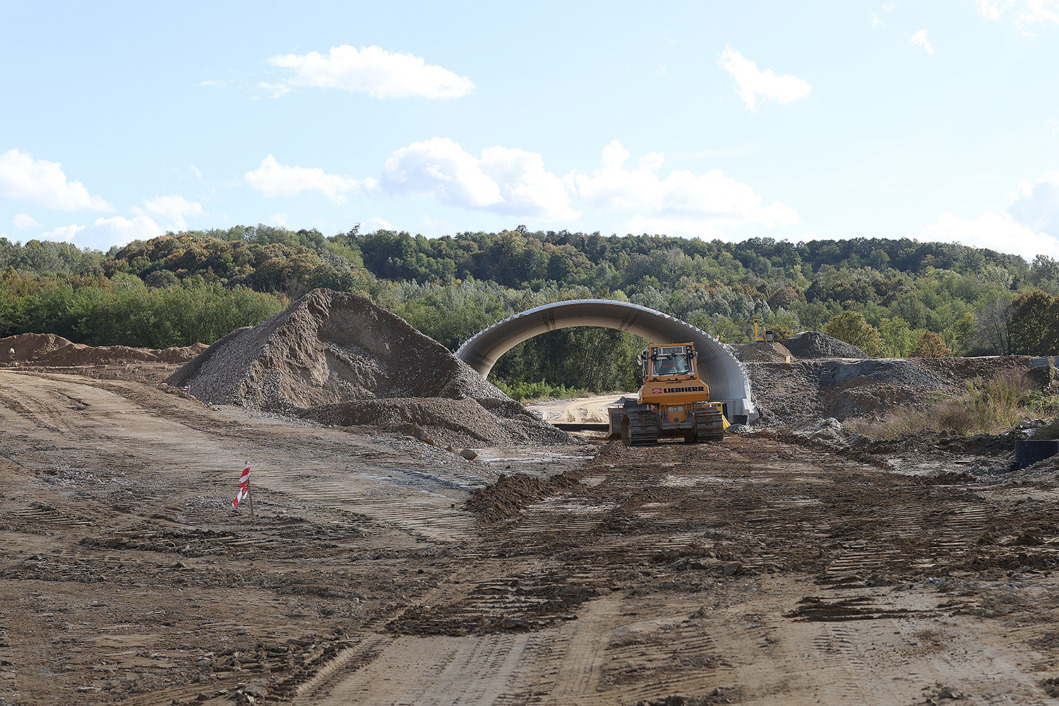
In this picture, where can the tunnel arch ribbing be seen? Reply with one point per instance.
(720, 369)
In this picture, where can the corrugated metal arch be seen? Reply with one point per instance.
(726, 376)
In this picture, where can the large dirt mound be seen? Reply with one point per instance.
(325, 348)
(960, 370)
(340, 360)
(813, 344)
(802, 391)
(47, 349)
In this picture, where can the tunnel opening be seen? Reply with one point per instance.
(589, 359)
(718, 367)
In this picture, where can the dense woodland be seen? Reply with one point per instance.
(890, 297)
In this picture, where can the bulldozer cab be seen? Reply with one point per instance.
(659, 362)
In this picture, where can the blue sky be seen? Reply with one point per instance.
(935, 121)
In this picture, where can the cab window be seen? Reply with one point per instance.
(671, 365)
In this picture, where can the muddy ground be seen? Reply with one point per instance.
(377, 569)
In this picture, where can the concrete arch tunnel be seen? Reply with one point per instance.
(720, 370)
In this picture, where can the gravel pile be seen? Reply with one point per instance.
(444, 422)
(46, 349)
(803, 391)
(336, 358)
(957, 370)
(760, 352)
(813, 344)
(328, 347)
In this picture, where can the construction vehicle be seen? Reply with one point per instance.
(763, 335)
(672, 403)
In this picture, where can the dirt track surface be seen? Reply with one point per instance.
(751, 571)
(578, 410)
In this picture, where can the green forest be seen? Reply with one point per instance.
(896, 297)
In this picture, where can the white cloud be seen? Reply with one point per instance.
(107, 232)
(275, 89)
(375, 224)
(44, 183)
(920, 40)
(23, 221)
(1036, 205)
(275, 179)
(1026, 13)
(681, 203)
(372, 70)
(1029, 228)
(503, 180)
(877, 21)
(995, 231)
(175, 209)
(994, 9)
(755, 86)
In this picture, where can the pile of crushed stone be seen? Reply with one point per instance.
(803, 391)
(444, 422)
(325, 348)
(338, 359)
(761, 352)
(960, 370)
(49, 350)
(813, 344)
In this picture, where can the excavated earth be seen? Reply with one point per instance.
(791, 564)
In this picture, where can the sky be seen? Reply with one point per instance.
(796, 121)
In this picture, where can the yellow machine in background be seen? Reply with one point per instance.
(673, 401)
(763, 335)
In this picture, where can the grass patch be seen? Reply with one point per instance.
(985, 407)
(530, 391)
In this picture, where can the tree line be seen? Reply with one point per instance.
(884, 295)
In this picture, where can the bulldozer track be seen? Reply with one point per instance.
(709, 424)
(639, 428)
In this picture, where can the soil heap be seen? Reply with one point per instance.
(813, 344)
(805, 391)
(47, 349)
(338, 359)
(761, 352)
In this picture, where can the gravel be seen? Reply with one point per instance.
(338, 359)
(47, 349)
(803, 391)
(813, 344)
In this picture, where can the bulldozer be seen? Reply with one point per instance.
(672, 402)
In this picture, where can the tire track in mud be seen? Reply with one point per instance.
(972, 671)
(433, 670)
(835, 653)
(577, 665)
(338, 681)
(31, 410)
(680, 660)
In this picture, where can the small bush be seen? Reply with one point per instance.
(930, 345)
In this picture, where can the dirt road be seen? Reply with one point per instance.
(752, 571)
(578, 410)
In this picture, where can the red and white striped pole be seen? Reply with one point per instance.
(244, 490)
